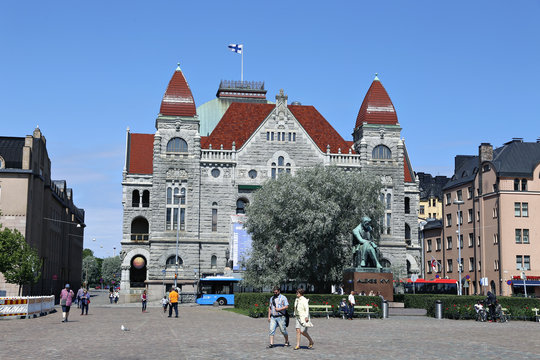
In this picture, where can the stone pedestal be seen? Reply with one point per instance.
(367, 280)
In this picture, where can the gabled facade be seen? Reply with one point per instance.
(214, 177)
(498, 220)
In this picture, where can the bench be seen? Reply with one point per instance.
(364, 310)
(536, 316)
(321, 309)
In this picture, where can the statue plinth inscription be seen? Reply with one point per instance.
(370, 281)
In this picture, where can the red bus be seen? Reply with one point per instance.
(437, 286)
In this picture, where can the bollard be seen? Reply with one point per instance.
(438, 309)
(385, 309)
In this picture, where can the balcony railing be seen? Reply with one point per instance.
(139, 237)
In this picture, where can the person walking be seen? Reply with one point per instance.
(116, 296)
(79, 294)
(303, 322)
(85, 301)
(352, 302)
(66, 298)
(164, 303)
(491, 301)
(111, 295)
(173, 302)
(143, 300)
(277, 316)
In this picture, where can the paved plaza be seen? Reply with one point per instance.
(212, 333)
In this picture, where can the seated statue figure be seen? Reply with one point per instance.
(364, 248)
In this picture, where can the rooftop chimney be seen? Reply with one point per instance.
(485, 152)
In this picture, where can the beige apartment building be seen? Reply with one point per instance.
(43, 211)
(491, 209)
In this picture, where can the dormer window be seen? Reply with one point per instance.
(177, 145)
(381, 152)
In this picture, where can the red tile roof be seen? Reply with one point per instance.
(407, 168)
(237, 124)
(141, 153)
(178, 99)
(319, 129)
(377, 108)
(242, 119)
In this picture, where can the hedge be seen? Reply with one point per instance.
(257, 303)
(462, 307)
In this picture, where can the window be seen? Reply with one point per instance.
(139, 229)
(471, 264)
(523, 184)
(146, 198)
(521, 209)
(252, 174)
(525, 236)
(495, 187)
(421, 209)
(478, 216)
(213, 261)
(449, 265)
(469, 215)
(518, 236)
(448, 220)
(388, 224)
(177, 145)
(214, 217)
(460, 217)
(459, 195)
(526, 262)
(449, 243)
(516, 184)
(407, 234)
(469, 192)
(241, 206)
(519, 262)
(461, 241)
(171, 261)
(135, 198)
(495, 239)
(478, 244)
(428, 267)
(215, 173)
(448, 198)
(388, 201)
(280, 168)
(496, 265)
(176, 200)
(381, 152)
(438, 244)
(471, 240)
(429, 245)
(407, 205)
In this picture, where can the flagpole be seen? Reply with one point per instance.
(242, 66)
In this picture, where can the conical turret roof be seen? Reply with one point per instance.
(178, 99)
(377, 108)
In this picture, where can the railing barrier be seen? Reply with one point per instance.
(25, 306)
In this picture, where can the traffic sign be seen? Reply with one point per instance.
(414, 277)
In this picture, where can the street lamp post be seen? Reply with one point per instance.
(459, 203)
(177, 239)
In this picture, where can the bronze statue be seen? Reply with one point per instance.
(364, 249)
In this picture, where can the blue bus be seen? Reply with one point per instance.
(218, 289)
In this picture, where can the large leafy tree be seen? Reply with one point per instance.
(301, 225)
(91, 271)
(110, 269)
(19, 262)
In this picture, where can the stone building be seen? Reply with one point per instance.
(178, 178)
(43, 211)
(490, 210)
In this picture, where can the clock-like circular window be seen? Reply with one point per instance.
(215, 173)
(252, 174)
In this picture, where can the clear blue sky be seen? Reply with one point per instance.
(458, 72)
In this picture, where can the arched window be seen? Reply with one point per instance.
(388, 201)
(280, 168)
(241, 206)
(177, 145)
(135, 198)
(407, 234)
(213, 261)
(171, 261)
(381, 152)
(381, 198)
(146, 198)
(176, 199)
(214, 216)
(407, 205)
(139, 229)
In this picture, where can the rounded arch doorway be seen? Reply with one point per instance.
(137, 271)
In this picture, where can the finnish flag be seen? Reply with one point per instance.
(237, 48)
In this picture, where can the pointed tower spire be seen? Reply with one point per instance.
(377, 108)
(178, 99)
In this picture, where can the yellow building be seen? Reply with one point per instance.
(430, 196)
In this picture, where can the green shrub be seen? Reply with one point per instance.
(257, 303)
(462, 307)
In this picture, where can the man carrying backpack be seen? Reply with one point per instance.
(277, 316)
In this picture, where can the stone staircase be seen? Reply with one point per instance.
(398, 309)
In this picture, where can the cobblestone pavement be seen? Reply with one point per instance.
(210, 332)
